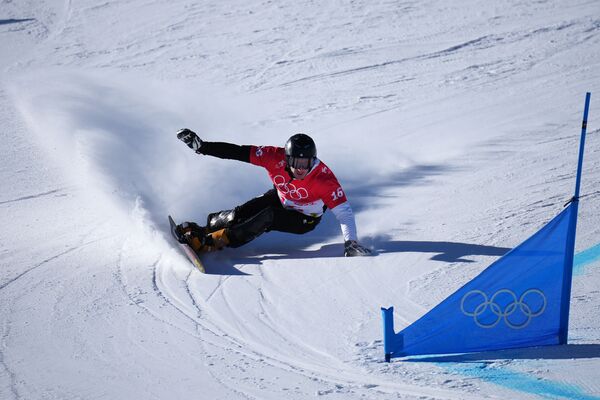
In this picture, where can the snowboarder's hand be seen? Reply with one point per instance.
(353, 249)
(190, 138)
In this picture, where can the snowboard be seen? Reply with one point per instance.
(188, 251)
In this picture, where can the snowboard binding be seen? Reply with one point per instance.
(199, 239)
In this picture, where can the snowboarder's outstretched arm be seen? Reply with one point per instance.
(345, 217)
(216, 149)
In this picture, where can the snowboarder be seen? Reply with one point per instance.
(303, 188)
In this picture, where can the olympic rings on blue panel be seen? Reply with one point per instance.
(520, 305)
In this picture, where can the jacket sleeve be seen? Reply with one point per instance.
(345, 217)
(226, 151)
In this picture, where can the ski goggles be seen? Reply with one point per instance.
(300, 163)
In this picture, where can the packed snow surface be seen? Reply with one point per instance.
(452, 126)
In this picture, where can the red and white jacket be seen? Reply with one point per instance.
(312, 195)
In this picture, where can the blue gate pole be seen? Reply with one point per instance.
(570, 249)
(388, 331)
(582, 144)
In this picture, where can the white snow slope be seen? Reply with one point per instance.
(453, 127)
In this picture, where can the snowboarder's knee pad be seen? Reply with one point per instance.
(220, 220)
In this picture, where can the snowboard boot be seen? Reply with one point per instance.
(192, 234)
(188, 229)
(200, 240)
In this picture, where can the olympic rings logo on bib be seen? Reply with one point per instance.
(289, 189)
(517, 313)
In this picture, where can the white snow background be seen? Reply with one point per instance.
(452, 126)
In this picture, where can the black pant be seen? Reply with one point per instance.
(261, 214)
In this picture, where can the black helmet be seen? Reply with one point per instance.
(300, 151)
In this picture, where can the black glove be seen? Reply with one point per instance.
(190, 138)
(353, 249)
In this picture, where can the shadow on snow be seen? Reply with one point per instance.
(442, 251)
(14, 21)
